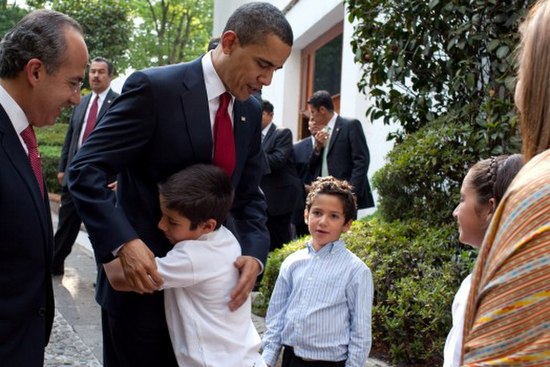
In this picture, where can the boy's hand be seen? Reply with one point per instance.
(139, 267)
(249, 269)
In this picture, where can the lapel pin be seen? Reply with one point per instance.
(243, 119)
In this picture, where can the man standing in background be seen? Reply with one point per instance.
(340, 148)
(280, 182)
(83, 121)
(42, 64)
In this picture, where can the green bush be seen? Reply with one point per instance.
(416, 269)
(424, 171)
(50, 141)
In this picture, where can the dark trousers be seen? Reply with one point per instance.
(279, 230)
(67, 230)
(292, 360)
(129, 344)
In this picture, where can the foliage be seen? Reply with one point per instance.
(170, 31)
(9, 16)
(106, 23)
(423, 59)
(50, 141)
(424, 172)
(416, 269)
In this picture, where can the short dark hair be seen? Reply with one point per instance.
(267, 106)
(40, 34)
(253, 21)
(491, 177)
(110, 67)
(213, 43)
(199, 192)
(342, 189)
(321, 98)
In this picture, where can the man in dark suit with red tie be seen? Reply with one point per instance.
(82, 123)
(166, 119)
(42, 64)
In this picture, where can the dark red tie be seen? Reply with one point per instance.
(224, 141)
(90, 122)
(34, 156)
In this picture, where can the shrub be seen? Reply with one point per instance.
(424, 172)
(50, 140)
(416, 269)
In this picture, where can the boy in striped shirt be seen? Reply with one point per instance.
(320, 309)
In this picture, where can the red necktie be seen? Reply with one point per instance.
(224, 142)
(90, 122)
(34, 156)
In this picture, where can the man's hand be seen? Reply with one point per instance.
(249, 268)
(321, 139)
(112, 185)
(140, 268)
(60, 176)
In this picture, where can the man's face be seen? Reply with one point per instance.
(267, 117)
(54, 91)
(246, 69)
(99, 77)
(318, 118)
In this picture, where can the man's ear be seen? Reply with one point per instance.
(34, 70)
(208, 226)
(228, 41)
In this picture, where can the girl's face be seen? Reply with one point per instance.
(472, 217)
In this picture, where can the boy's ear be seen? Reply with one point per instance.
(347, 226)
(208, 226)
(305, 216)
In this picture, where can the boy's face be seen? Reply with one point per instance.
(326, 220)
(176, 227)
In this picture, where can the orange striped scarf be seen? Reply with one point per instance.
(507, 321)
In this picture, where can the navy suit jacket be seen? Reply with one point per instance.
(70, 146)
(302, 155)
(347, 159)
(159, 125)
(26, 251)
(280, 182)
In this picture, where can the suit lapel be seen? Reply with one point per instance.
(109, 98)
(269, 137)
(334, 135)
(240, 126)
(196, 112)
(11, 145)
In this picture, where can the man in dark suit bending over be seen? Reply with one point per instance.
(168, 118)
(340, 148)
(82, 123)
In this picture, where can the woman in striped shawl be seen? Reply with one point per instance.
(507, 321)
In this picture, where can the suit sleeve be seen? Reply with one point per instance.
(359, 156)
(249, 207)
(118, 138)
(63, 160)
(281, 150)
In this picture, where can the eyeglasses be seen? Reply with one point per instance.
(75, 86)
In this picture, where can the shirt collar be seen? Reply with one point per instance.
(214, 85)
(326, 249)
(14, 112)
(266, 129)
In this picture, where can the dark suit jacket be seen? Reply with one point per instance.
(302, 155)
(280, 183)
(347, 159)
(26, 251)
(70, 146)
(159, 125)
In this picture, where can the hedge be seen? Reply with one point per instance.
(50, 141)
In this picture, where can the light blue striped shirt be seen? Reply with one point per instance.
(321, 306)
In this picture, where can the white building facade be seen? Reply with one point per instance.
(321, 58)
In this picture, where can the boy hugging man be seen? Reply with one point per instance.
(199, 274)
(320, 309)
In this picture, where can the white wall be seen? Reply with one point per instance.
(309, 20)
